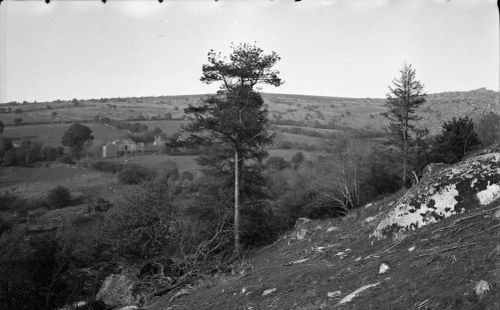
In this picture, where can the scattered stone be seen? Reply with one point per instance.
(269, 291)
(322, 248)
(368, 205)
(335, 294)
(357, 259)
(332, 228)
(301, 234)
(497, 214)
(129, 308)
(482, 287)
(383, 268)
(350, 296)
(411, 249)
(370, 219)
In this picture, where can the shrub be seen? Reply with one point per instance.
(107, 166)
(67, 159)
(169, 171)
(133, 174)
(297, 159)
(9, 201)
(456, 139)
(277, 163)
(5, 225)
(99, 205)
(58, 197)
(488, 128)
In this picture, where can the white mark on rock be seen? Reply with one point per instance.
(490, 194)
(335, 294)
(301, 234)
(269, 291)
(482, 287)
(350, 296)
(332, 228)
(383, 268)
(370, 219)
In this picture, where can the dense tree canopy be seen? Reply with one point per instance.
(75, 137)
(234, 121)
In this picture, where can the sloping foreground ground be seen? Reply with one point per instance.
(452, 263)
(436, 267)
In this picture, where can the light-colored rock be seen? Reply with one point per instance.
(335, 294)
(350, 296)
(269, 291)
(482, 287)
(411, 249)
(301, 234)
(117, 289)
(332, 228)
(456, 189)
(383, 268)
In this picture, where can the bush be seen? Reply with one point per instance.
(67, 159)
(99, 205)
(58, 197)
(9, 201)
(488, 128)
(277, 163)
(297, 159)
(133, 174)
(105, 166)
(456, 139)
(5, 225)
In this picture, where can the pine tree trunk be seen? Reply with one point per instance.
(237, 249)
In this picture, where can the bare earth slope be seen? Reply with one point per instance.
(453, 263)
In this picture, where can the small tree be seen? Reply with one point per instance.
(406, 94)
(297, 159)
(488, 128)
(18, 121)
(75, 137)
(54, 114)
(456, 139)
(1, 127)
(58, 197)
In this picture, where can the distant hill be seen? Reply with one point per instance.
(302, 110)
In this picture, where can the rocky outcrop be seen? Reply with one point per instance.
(118, 289)
(456, 189)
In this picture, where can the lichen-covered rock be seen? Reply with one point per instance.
(459, 188)
(118, 289)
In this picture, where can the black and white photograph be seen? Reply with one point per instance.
(249, 154)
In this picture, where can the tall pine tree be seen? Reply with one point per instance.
(234, 121)
(405, 95)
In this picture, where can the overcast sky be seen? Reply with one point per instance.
(86, 49)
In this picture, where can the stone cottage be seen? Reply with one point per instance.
(121, 147)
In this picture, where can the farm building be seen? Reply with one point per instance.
(121, 147)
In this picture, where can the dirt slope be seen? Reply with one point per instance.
(334, 264)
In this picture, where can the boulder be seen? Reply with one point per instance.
(118, 289)
(455, 189)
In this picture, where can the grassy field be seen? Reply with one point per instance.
(51, 134)
(167, 126)
(154, 161)
(36, 182)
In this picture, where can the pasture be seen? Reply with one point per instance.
(51, 134)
